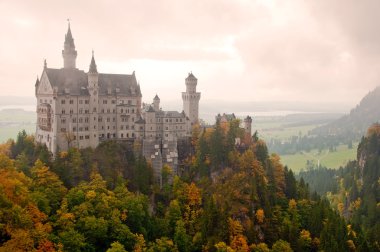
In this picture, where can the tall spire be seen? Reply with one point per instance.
(69, 53)
(93, 68)
(69, 37)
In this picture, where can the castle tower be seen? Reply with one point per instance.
(69, 53)
(156, 103)
(93, 89)
(191, 99)
(248, 125)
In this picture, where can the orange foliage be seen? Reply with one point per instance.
(260, 216)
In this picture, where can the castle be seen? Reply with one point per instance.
(79, 109)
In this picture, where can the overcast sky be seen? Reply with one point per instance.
(247, 50)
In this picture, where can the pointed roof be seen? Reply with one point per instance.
(69, 37)
(93, 68)
(37, 81)
(156, 97)
(191, 76)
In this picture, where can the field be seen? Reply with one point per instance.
(284, 127)
(328, 159)
(13, 121)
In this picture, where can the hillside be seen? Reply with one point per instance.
(227, 198)
(357, 121)
(355, 189)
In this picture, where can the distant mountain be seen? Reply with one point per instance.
(357, 121)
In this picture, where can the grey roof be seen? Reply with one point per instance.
(76, 81)
(93, 68)
(156, 97)
(150, 109)
(69, 38)
(173, 114)
(191, 76)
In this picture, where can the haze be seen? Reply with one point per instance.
(325, 51)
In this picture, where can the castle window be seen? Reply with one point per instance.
(86, 111)
(113, 101)
(63, 120)
(71, 101)
(74, 120)
(75, 137)
(166, 120)
(122, 135)
(121, 127)
(80, 129)
(114, 111)
(86, 120)
(87, 137)
(127, 127)
(108, 119)
(176, 120)
(86, 101)
(94, 118)
(81, 120)
(104, 101)
(80, 111)
(63, 129)
(63, 101)
(80, 101)
(121, 111)
(114, 135)
(133, 110)
(86, 128)
(167, 128)
(63, 111)
(100, 119)
(94, 110)
(108, 110)
(80, 137)
(74, 128)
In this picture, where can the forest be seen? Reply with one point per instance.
(226, 197)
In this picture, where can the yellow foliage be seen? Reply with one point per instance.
(351, 245)
(222, 247)
(260, 216)
(63, 154)
(90, 194)
(140, 245)
(235, 227)
(305, 235)
(292, 204)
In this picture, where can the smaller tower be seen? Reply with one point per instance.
(191, 99)
(248, 125)
(69, 53)
(156, 103)
(93, 89)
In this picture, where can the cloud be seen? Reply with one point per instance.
(273, 50)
